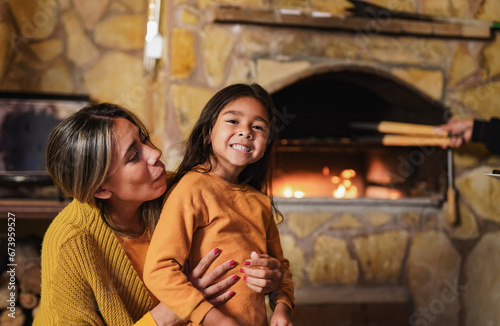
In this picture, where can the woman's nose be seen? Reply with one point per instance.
(153, 155)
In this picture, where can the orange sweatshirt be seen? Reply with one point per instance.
(202, 212)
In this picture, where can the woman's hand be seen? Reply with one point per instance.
(213, 292)
(265, 279)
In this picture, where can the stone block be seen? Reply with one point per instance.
(332, 263)
(37, 20)
(481, 191)
(462, 66)
(295, 256)
(6, 47)
(378, 219)
(79, 48)
(345, 221)
(389, 49)
(412, 218)
(483, 283)
(491, 64)
(467, 228)
(58, 79)
(381, 255)
(489, 10)
(433, 271)
(217, 45)
(108, 81)
(183, 53)
(269, 71)
(303, 224)
(188, 102)
(124, 32)
(429, 82)
(242, 71)
(483, 99)
(47, 50)
(334, 7)
(91, 11)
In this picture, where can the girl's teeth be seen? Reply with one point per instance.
(242, 148)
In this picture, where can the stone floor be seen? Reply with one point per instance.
(387, 314)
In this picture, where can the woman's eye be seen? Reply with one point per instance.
(135, 156)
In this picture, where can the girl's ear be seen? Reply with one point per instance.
(102, 193)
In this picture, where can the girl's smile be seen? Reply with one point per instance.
(239, 137)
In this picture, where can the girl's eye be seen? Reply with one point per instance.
(232, 121)
(259, 128)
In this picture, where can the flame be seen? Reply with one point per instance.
(298, 194)
(300, 185)
(340, 192)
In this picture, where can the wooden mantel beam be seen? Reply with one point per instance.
(367, 26)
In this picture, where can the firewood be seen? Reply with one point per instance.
(30, 278)
(7, 320)
(28, 300)
(8, 290)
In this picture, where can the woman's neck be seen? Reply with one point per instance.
(126, 217)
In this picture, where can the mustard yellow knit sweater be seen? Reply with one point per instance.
(87, 278)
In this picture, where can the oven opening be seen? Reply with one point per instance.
(321, 154)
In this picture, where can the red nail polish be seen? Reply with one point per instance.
(245, 278)
(248, 263)
(242, 270)
(232, 263)
(234, 277)
(232, 293)
(215, 251)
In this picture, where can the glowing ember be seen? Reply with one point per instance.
(347, 174)
(335, 180)
(340, 192)
(288, 193)
(298, 194)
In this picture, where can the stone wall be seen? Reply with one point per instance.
(400, 253)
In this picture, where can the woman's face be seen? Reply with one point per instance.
(136, 173)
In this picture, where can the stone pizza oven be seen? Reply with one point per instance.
(381, 253)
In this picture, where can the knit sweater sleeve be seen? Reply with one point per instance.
(285, 293)
(169, 249)
(67, 296)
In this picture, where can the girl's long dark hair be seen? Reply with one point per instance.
(199, 150)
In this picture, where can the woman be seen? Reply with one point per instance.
(93, 252)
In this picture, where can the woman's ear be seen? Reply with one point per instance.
(102, 193)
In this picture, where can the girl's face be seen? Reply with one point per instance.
(136, 173)
(239, 137)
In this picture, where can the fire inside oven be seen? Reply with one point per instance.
(321, 154)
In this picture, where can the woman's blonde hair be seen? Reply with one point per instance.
(78, 157)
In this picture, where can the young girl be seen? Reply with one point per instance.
(220, 199)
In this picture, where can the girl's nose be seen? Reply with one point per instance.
(244, 132)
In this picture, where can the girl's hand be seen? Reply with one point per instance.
(213, 292)
(265, 279)
(281, 315)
